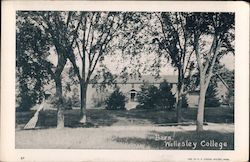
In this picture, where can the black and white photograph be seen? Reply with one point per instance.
(156, 80)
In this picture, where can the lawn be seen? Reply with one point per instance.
(128, 137)
(133, 129)
(141, 117)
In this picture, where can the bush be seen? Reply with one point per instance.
(26, 98)
(166, 98)
(229, 100)
(211, 97)
(152, 97)
(116, 101)
(148, 96)
(184, 102)
(26, 102)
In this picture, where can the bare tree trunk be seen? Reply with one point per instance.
(200, 113)
(60, 108)
(83, 95)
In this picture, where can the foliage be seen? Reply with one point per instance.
(151, 97)
(75, 98)
(116, 101)
(26, 99)
(166, 97)
(184, 102)
(230, 98)
(228, 77)
(31, 63)
(54, 101)
(211, 99)
(213, 37)
(176, 42)
(148, 96)
(53, 34)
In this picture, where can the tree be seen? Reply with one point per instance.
(151, 97)
(213, 36)
(176, 41)
(95, 31)
(31, 63)
(165, 96)
(211, 98)
(58, 29)
(147, 96)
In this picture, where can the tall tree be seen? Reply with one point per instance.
(58, 29)
(94, 34)
(213, 36)
(31, 64)
(177, 43)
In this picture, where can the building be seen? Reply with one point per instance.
(129, 88)
(98, 92)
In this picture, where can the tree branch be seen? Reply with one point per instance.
(163, 31)
(209, 55)
(185, 69)
(197, 51)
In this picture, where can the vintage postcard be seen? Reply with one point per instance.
(124, 81)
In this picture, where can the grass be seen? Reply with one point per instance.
(124, 137)
(205, 140)
(133, 129)
(104, 117)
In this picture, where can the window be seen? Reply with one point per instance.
(132, 96)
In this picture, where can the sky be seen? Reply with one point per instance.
(227, 60)
(115, 63)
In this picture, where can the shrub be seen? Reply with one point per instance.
(166, 98)
(26, 102)
(211, 97)
(147, 96)
(26, 98)
(116, 101)
(229, 100)
(152, 97)
(184, 102)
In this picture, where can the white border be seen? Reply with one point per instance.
(8, 151)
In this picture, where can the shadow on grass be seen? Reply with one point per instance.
(206, 140)
(48, 119)
(211, 114)
(72, 118)
(96, 118)
(150, 115)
